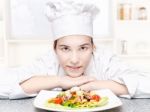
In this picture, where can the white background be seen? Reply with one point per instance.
(28, 19)
(31, 32)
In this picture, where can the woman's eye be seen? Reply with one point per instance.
(84, 48)
(65, 49)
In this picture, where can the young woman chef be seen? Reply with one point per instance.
(75, 61)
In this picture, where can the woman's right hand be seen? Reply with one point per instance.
(67, 82)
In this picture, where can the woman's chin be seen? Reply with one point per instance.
(74, 75)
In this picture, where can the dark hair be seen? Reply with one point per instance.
(55, 43)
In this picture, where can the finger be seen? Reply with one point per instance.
(85, 87)
(84, 80)
(88, 78)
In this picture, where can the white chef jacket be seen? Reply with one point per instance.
(103, 65)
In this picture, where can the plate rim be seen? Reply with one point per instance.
(76, 110)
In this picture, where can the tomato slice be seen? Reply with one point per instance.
(73, 93)
(95, 97)
(58, 100)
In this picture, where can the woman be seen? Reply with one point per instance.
(74, 54)
(75, 61)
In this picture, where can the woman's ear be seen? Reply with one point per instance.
(94, 47)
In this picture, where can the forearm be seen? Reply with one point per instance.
(37, 83)
(117, 88)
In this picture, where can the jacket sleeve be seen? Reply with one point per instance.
(137, 82)
(10, 78)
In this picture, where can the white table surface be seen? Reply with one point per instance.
(26, 105)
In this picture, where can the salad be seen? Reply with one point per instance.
(76, 98)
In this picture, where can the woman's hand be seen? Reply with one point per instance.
(37, 83)
(115, 87)
(67, 82)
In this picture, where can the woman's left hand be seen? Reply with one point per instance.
(90, 86)
(117, 88)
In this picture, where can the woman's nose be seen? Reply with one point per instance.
(74, 58)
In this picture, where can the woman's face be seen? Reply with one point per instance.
(74, 53)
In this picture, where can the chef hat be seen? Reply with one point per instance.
(71, 17)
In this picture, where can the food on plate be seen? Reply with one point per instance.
(76, 98)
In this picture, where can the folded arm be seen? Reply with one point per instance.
(115, 87)
(37, 83)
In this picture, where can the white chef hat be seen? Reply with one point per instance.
(71, 17)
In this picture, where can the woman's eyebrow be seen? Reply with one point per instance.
(63, 45)
(86, 44)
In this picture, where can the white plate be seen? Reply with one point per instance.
(44, 95)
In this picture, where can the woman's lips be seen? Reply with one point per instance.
(74, 67)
